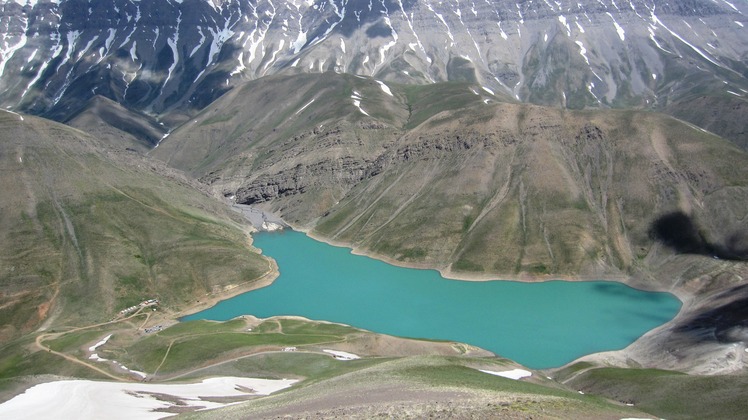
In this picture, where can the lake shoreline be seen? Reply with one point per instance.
(433, 308)
(448, 274)
(615, 357)
(686, 299)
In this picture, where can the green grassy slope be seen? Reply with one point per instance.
(669, 394)
(86, 231)
(117, 126)
(442, 379)
(424, 387)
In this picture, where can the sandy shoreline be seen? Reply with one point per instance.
(448, 274)
(229, 292)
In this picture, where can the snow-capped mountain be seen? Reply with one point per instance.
(159, 55)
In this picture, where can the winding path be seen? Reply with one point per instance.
(39, 342)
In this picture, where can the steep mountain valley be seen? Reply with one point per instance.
(489, 140)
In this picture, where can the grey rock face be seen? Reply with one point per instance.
(163, 55)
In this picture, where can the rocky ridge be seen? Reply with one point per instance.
(178, 56)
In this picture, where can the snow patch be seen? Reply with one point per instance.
(562, 19)
(133, 50)
(271, 227)
(21, 118)
(31, 57)
(583, 51)
(110, 39)
(385, 88)
(299, 42)
(157, 32)
(619, 29)
(357, 102)
(219, 38)
(239, 67)
(95, 356)
(657, 21)
(591, 86)
(281, 45)
(172, 42)
(342, 355)
(55, 53)
(304, 107)
(444, 22)
(501, 32)
(731, 5)
(409, 20)
(7, 52)
(100, 343)
(652, 37)
(141, 374)
(98, 399)
(199, 43)
(579, 26)
(515, 374)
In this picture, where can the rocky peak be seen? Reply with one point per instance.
(166, 55)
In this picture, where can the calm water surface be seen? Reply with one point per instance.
(539, 325)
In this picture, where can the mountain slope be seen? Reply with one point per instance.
(87, 231)
(448, 176)
(168, 55)
(119, 127)
(426, 387)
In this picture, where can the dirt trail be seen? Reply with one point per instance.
(39, 342)
(168, 349)
(659, 143)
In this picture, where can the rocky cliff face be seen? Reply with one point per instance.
(169, 54)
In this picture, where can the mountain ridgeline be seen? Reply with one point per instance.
(176, 56)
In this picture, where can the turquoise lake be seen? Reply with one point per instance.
(539, 325)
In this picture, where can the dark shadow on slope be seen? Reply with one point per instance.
(679, 232)
(726, 322)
